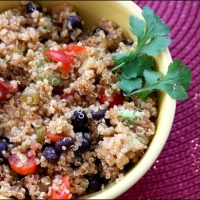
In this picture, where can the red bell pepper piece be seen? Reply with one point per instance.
(73, 49)
(116, 99)
(64, 192)
(55, 137)
(6, 89)
(21, 167)
(60, 56)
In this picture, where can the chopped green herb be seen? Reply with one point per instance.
(31, 96)
(40, 134)
(137, 67)
(55, 81)
(127, 115)
(48, 30)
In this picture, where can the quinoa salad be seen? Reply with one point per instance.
(66, 129)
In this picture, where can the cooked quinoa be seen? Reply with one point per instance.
(66, 129)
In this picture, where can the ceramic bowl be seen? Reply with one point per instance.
(119, 11)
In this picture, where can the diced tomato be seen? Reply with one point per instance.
(74, 49)
(5, 89)
(66, 96)
(55, 137)
(63, 193)
(115, 99)
(65, 56)
(20, 166)
(60, 56)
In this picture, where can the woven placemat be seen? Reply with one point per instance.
(176, 172)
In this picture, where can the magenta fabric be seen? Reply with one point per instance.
(176, 172)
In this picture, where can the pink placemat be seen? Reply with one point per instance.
(176, 172)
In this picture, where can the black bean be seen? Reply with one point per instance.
(99, 114)
(95, 183)
(85, 146)
(108, 122)
(74, 21)
(32, 6)
(64, 144)
(51, 154)
(43, 40)
(127, 42)
(79, 120)
(97, 29)
(3, 147)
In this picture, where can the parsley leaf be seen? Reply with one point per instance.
(136, 68)
(151, 37)
(154, 24)
(121, 58)
(137, 74)
(128, 85)
(154, 31)
(155, 46)
(175, 82)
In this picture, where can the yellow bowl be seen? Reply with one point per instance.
(119, 11)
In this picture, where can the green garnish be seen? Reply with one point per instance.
(151, 36)
(40, 134)
(175, 82)
(137, 67)
(48, 30)
(55, 81)
(127, 115)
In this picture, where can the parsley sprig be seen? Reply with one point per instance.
(137, 67)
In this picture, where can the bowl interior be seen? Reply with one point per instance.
(119, 11)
